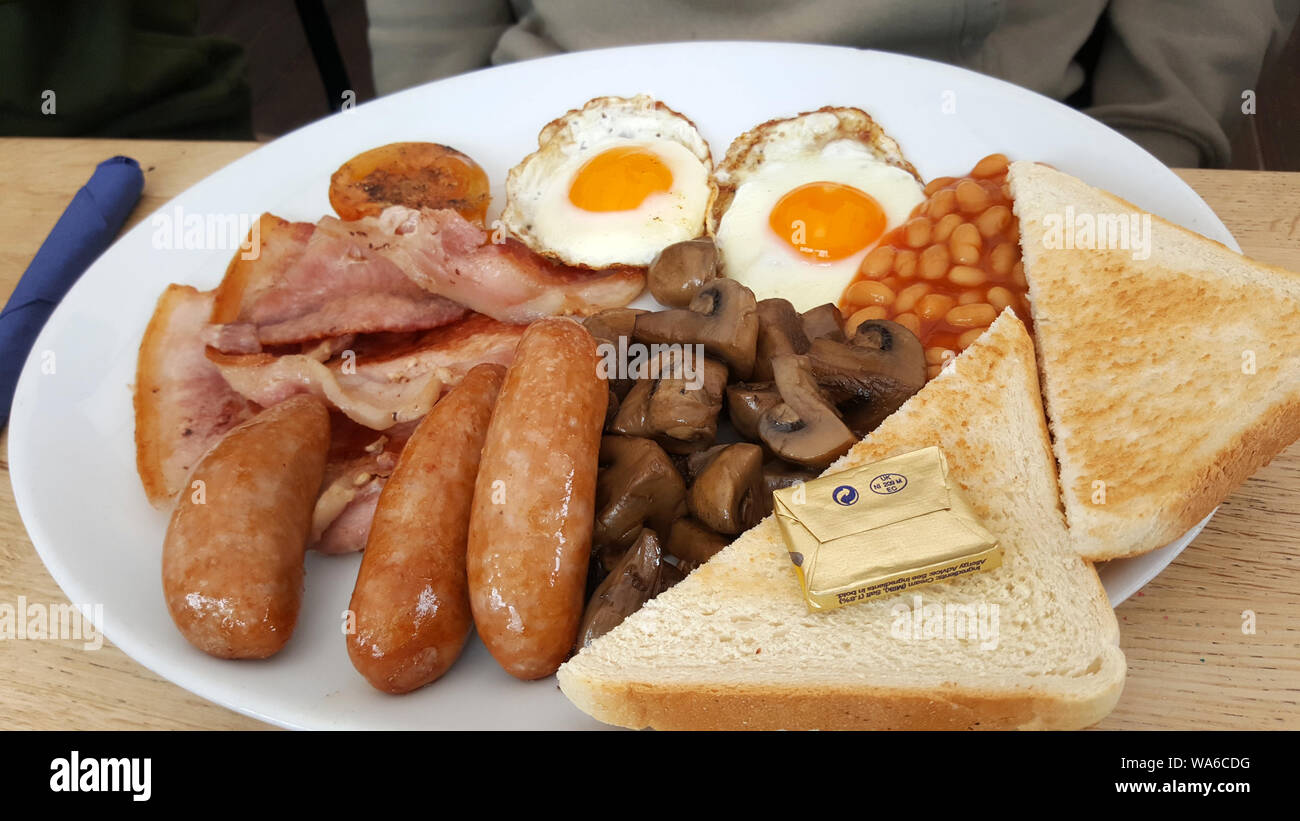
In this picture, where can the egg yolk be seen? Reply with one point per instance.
(619, 179)
(827, 220)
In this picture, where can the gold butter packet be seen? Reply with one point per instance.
(881, 529)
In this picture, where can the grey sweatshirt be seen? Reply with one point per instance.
(1172, 75)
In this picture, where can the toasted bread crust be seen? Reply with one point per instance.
(1250, 451)
(640, 705)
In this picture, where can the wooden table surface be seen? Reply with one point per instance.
(1191, 665)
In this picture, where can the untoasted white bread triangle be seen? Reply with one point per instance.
(1171, 366)
(735, 646)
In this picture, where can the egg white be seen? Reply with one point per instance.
(538, 210)
(602, 238)
(754, 255)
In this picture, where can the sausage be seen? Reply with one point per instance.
(232, 564)
(534, 501)
(411, 601)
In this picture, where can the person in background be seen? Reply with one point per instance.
(1169, 74)
(119, 68)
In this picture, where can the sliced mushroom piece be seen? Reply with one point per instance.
(596, 573)
(804, 428)
(608, 325)
(612, 329)
(631, 419)
(727, 494)
(686, 409)
(777, 475)
(723, 317)
(824, 322)
(638, 486)
(780, 331)
(680, 413)
(693, 543)
(872, 375)
(669, 575)
(746, 403)
(611, 407)
(885, 336)
(688, 568)
(682, 270)
(840, 368)
(693, 464)
(606, 558)
(632, 583)
(878, 402)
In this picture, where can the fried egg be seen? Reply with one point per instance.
(611, 183)
(801, 201)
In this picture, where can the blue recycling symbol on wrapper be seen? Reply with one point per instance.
(845, 495)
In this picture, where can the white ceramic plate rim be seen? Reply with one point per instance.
(1122, 578)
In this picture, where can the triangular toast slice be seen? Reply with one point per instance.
(734, 645)
(1170, 364)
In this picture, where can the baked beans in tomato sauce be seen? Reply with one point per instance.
(947, 272)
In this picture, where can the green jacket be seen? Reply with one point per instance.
(123, 68)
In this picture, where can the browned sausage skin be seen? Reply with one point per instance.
(233, 555)
(530, 529)
(411, 601)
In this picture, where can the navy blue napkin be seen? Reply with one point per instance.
(86, 228)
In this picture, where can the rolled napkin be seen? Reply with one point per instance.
(87, 227)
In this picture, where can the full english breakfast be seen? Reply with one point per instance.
(523, 444)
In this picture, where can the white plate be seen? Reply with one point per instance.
(71, 445)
